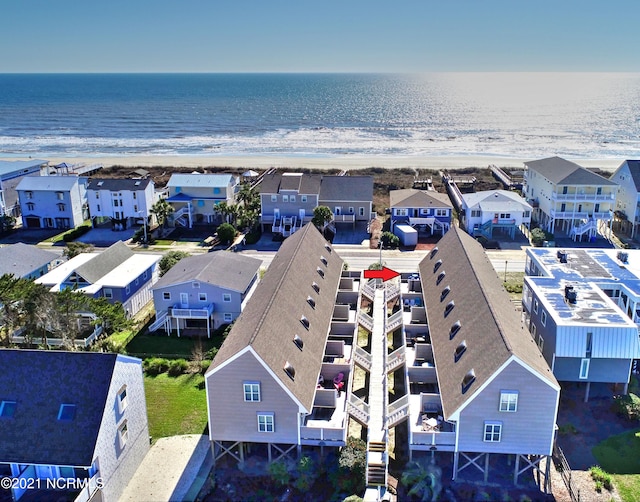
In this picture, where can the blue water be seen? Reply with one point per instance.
(525, 115)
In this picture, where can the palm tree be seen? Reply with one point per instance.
(162, 210)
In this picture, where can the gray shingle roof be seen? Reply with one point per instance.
(272, 316)
(100, 265)
(48, 183)
(347, 188)
(410, 197)
(21, 259)
(490, 325)
(561, 171)
(39, 382)
(308, 184)
(221, 268)
(118, 184)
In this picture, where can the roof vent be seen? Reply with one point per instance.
(311, 302)
(570, 294)
(468, 379)
(290, 370)
(328, 248)
(436, 266)
(434, 252)
(320, 272)
(100, 183)
(460, 349)
(315, 287)
(562, 256)
(623, 256)
(440, 277)
(298, 341)
(455, 327)
(445, 292)
(323, 260)
(305, 322)
(449, 308)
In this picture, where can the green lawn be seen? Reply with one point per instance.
(620, 456)
(175, 405)
(168, 346)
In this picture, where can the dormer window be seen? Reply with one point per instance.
(311, 302)
(298, 341)
(289, 370)
(327, 247)
(440, 277)
(67, 412)
(445, 292)
(437, 265)
(449, 308)
(305, 322)
(315, 287)
(455, 327)
(434, 252)
(468, 379)
(320, 272)
(460, 349)
(323, 260)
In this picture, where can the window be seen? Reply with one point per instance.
(402, 212)
(123, 434)
(303, 198)
(202, 297)
(144, 275)
(61, 207)
(274, 198)
(285, 198)
(31, 206)
(298, 341)
(292, 198)
(98, 207)
(311, 302)
(135, 195)
(108, 293)
(166, 295)
(540, 343)
(228, 317)
(320, 272)
(116, 202)
(315, 287)
(226, 297)
(584, 369)
(361, 211)
(475, 213)
(455, 327)
(7, 408)
(543, 318)
(589, 348)
(122, 398)
(323, 260)
(305, 322)
(67, 412)
(441, 212)
(251, 391)
(60, 195)
(535, 306)
(195, 285)
(527, 214)
(492, 432)
(351, 210)
(266, 422)
(216, 189)
(29, 195)
(128, 289)
(509, 400)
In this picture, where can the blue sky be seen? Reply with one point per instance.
(318, 36)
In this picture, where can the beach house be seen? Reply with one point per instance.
(582, 308)
(195, 196)
(422, 209)
(74, 424)
(490, 211)
(27, 261)
(627, 210)
(53, 201)
(287, 200)
(569, 198)
(121, 202)
(203, 292)
(11, 173)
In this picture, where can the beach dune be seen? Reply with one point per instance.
(344, 162)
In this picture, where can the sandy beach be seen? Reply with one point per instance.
(345, 162)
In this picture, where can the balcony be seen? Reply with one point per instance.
(597, 197)
(180, 312)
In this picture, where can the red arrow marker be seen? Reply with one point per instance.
(385, 274)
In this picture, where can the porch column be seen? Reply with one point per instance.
(586, 392)
(209, 327)
(515, 471)
(486, 467)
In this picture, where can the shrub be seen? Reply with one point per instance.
(279, 472)
(155, 365)
(226, 232)
(567, 429)
(73, 234)
(390, 240)
(628, 406)
(538, 236)
(178, 367)
(601, 477)
(204, 365)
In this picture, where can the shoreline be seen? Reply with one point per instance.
(343, 162)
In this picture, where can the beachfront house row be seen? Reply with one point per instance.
(421, 209)
(490, 211)
(27, 261)
(195, 196)
(567, 197)
(78, 416)
(582, 308)
(11, 173)
(280, 379)
(53, 201)
(627, 210)
(201, 293)
(121, 202)
(116, 273)
(287, 200)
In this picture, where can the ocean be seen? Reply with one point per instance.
(521, 115)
